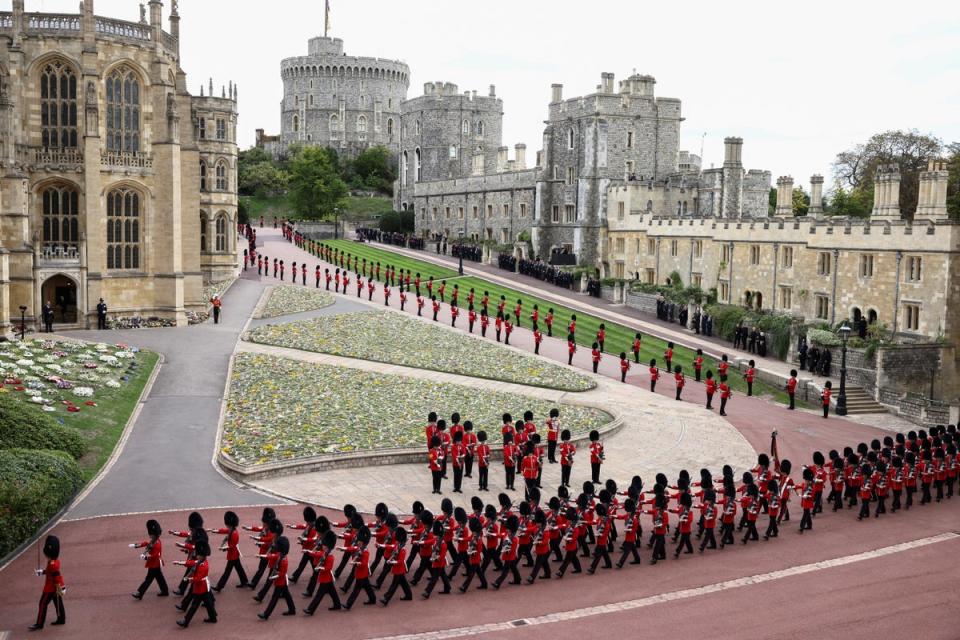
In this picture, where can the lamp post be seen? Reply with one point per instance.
(336, 222)
(842, 396)
(23, 321)
(460, 252)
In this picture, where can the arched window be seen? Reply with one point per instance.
(361, 124)
(221, 232)
(480, 128)
(417, 127)
(203, 175)
(570, 139)
(334, 127)
(684, 207)
(60, 221)
(465, 128)
(203, 232)
(123, 229)
(222, 176)
(123, 111)
(417, 165)
(58, 106)
(404, 162)
(389, 126)
(296, 123)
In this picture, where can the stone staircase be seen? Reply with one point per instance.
(859, 401)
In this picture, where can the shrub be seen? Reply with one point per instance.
(25, 428)
(34, 486)
(823, 338)
(726, 317)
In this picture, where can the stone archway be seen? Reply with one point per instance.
(872, 316)
(758, 300)
(856, 314)
(62, 293)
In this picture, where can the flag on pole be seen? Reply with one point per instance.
(326, 18)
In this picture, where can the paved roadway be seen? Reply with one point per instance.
(895, 574)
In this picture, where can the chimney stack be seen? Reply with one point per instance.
(520, 156)
(493, 91)
(784, 196)
(932, 200)
(886, 192)
(816, 196)
(502, 158)
(732, 151)
(606, 82)
(556, 93)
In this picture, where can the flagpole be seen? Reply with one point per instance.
(326, 18)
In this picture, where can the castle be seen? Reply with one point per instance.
(347, 103)
(115, 181)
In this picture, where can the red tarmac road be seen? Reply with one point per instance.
(909, 593)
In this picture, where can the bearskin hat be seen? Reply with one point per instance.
(267, 515)
(51, 547)
(426, 517)
(554, 503)
(818, 458)
(460, 515)
(231, 519)
(490, 512)
(504, 501)
(322, 525)
(276, 527)
(349, 510)
(154, 528)
(309, 515)
(391, 521)
(611, 486)
(524, 509)
(329, 539)
(195, 520)
(283, 545)
(785, 467)
(363, 535)
(381, 510)
(476, 504)
(686, 499)
(202, 548)
(601, 510)
(475, 525)
(417, 507)
(629, 505)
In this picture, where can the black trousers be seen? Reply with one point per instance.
(540, 566)
(529, 484)
(636, 357)
(708, 540)
(595, 472)
(697, 374)
(484, 476)
(399, 582)
(552, 450)
(629, 549)
(325, 589)
(457, 478)
(826, 410)
(709, 401)
(772, 529)
(683, 544)
(101, 321)
(468, 467)
(793, 403)
(491, 555)
(208, 603)
(437, 573)
(437, 479)
(864, 509)
(153, 574)
(421, 569)
(460, 559)
(256, 576)
(216, 315)
(896, 499)
(45, 601)
(806, 520)
(723, 405)
(659, 547)
(474, 570)
(365, 586)
(565, 474)
(600, 551)
(509, 567)
(570, 557)
(280, 592)
(653, 386)
(910, 492)
(751, 533)
(304, 563)
(235, 564)
(881, 505)
(726, 533)
(749, 388)
(595, 365)
(511, 474)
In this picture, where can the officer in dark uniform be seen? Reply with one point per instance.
(101, 315)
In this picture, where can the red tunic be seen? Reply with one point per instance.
(233, 542)
(154, 559)
(654, 373)
(567, 451)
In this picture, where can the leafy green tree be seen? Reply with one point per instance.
(773, 201)
(315, 184)
(801, 202)
(953, 185)
(262, 179)
(373, 169)
(857, 203)
(855, 168)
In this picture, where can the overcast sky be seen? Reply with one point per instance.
(798, 81)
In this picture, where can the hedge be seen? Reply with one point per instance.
(25, 428)
(823, 338)
(34, 486)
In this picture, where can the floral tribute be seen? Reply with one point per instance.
(282, 409)
(287, 299)
(392, 338)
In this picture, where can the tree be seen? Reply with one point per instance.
(953, 184)
(373, 169)
(801, 202)
(262, 179)
(315, 184)
(855, 168)
(856, 203)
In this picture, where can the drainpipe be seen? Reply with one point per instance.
(833, 297)
(896, 293)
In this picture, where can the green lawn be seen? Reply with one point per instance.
(619, 337)
(425, 269)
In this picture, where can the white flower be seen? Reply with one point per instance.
(83, 392)
(108, 359)
(48, 408)
(36, 400)
(113, 384)
(23, 362)
(123, 354)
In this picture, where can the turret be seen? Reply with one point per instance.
(784, 196)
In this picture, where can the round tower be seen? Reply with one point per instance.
(349, 103)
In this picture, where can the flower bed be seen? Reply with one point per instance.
(282, 409)
(287, 299)
(62, 376)
(389, 337)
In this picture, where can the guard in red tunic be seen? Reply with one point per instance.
(436, 463)
(711, 386)
(601, 335)
(772, 499)
(471, 318)
(471, 297)
(454, 312)
(553, 433)
(458, 454)
(708, 515)
(636, 348)
(661, 522)
(624, 366)
(567, 451)
(507, 330)
(323, 561)
(455, 295)
(264, 541)
(654, 375)
(53, 585)
(483, 461)
(371, 286)
(230, 544)
(570, 541)
(436, 307)
(825, 397)
(537, 339)
(534, 316)
(806, 491)
(679, 380)
(153, 560)
(359, 558)
(668, 357)
(723, 367)
(308, 540)
(279, 578)
(484, 322)
(595, 356)
(470, 444)
(441, 289)
(698, 364)
(403, 299)
(200, 569)
(549, 322)
(725, 395)
(571, 349)
(396, 562)
(517, 310)
(498, 325)
(328, 277)
(685, 524)
(631, 532)
(420, 304)
(749, 375)
(346, 282)
(475, 554)
(508, 552)
(303, 273)
(386, 295)
(791, 388)
(485, 302)
(529, 467)
(438, 561)
(502, 305)
(336, 281)
(596, 455)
